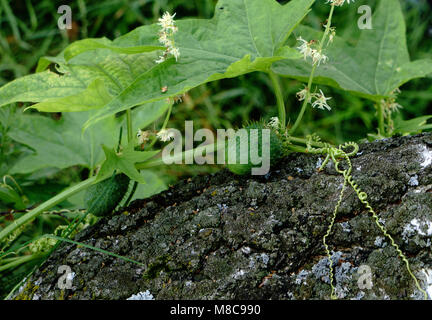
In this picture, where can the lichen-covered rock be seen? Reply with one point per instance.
(232, 237)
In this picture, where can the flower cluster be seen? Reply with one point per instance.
(303, 94)
(319, 99)
(165, 135)
(339, 3)
(143, 136)
(390, 105)
(307, 50)
(166, 37)
(274, 122)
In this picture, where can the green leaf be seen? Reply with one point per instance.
(81, 46)
(9, 196)
(60, 143)
(154, 186)
(413, 125)
(123, 162)
(143, 116)
(88, 81)
(243, 37)
(377, 65)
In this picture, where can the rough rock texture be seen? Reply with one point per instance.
(232, 237)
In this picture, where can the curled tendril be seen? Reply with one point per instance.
(337, 155)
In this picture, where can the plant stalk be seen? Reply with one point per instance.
(309, 87)
(31, 215)
(279, 97)
(380, 119)
(20, 261)
(129, 124)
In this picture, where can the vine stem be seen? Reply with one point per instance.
(312, 74)
(164, 125)
(279, 97)
(20, 260)
(31, 215)
(380, 119)
(129, 124)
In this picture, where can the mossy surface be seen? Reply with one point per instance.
(240, 237)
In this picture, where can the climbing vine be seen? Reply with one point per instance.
(338, 155)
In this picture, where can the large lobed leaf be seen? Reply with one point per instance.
(244, 36)
(61, 144)
(377, 65)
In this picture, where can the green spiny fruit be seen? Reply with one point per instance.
(276, 149)
(103, 197)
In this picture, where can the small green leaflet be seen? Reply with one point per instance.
(124, 162)
(9, 196)
(377, 65)
(412, 126)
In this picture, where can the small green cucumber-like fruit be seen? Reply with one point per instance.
(276, 149)
(103, 197)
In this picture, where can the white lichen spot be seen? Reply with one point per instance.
(70, 276)
(428, 281)
(264, 258)
(426, 155)
(246, 250)
(239, 274)
(319, 163)
(413, 181)
(346, 227)
(379, 242)
(141, 296)
(423, 228)
(302, 277)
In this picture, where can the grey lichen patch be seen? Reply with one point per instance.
(242, 237)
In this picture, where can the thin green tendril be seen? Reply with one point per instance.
(336, 155)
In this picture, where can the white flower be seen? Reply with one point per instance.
(167, 21)
(165, 135)
(305, 48)
(320, 101)
(307, 51)
(339, 3)
(174, 51)
(160, 60)
(274, 122)
(302, 94)
(318, 57)
(143, 136)
(166, 37)
(332, 34)
(165, 40)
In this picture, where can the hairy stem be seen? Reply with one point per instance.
(279, 97)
